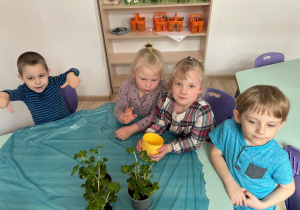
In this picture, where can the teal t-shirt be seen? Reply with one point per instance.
(257, 169)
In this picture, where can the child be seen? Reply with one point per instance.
(182, 111)
(245, 155)
(40, 92)
(138, 94)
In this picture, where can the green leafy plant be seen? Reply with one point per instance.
(139, 173)
(99, 188)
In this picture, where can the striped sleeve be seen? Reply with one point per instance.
(17, 94)
(61, 79)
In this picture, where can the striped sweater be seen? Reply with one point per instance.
(191, 126)
(48, 105)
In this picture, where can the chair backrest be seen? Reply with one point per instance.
(70, 97)
(294, 155)
(222, 104)
(293, 202)
(268, 58)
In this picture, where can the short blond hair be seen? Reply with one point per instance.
(186, 65)
(149, 57)
(264, 98)
(30, 58)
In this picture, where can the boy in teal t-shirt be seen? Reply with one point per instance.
(247, 158)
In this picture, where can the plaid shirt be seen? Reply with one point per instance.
(192, 126)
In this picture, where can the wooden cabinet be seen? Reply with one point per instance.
(193, 44)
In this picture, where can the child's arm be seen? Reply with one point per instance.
(234, 191)
(165, 149)
(125, 132)
(279, 194)
(145, 122)
(127, 116)
(124, 114)
(197, 134)
(158, 122)
(4, 101)
(121, 107)
(72, 79)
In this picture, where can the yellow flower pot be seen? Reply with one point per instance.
(151, 142)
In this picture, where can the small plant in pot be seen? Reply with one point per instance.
(99, 187)
(140, 187)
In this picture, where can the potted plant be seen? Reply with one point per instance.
(140, 187)
(99, 187)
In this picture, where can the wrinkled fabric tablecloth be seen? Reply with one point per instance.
(36, 164)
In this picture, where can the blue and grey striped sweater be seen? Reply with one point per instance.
(48, 105)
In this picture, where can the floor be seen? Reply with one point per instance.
(227, 84)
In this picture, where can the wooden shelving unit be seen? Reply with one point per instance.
(116, 58)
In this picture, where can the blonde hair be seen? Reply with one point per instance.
(264, 98)
(149, 57)
(184, 66)
(30, 58)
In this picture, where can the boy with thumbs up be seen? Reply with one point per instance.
(40, 92)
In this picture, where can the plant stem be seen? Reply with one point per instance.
(99, 155)
(106, 199)
(138, 168)
(98, 179)
(150, 169)
(99, 151)
(130, 175)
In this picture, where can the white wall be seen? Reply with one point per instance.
(242, 30)
(68, 34)
(65, 32)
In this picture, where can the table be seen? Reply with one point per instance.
(57, 134)
(285, 76)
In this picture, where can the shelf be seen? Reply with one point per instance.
(120, 58)
(122, 5)
(119, 79)
(146, 34)
(168, 57)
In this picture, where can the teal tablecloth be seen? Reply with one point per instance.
(36, 164)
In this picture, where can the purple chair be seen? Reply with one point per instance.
(268, 59)
(70, 97)
(222, 104)
(264, 60)
(293, 202)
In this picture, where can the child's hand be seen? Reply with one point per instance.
(126, 131)
(128, 116)
(166, 148)
(4, 101)
(236, 194)
(72, 80)
(252, 201)
(139, 146)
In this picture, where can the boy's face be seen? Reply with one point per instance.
(186, 91)
(258, 129)
(35, 77)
